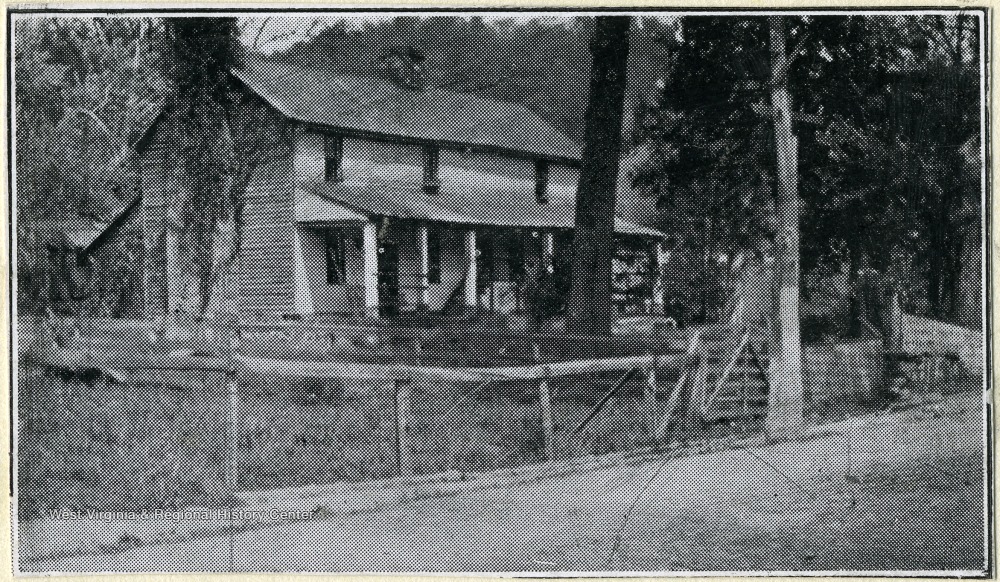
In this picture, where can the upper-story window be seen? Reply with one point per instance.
(333, 154)
(541, 182)
(432, 164)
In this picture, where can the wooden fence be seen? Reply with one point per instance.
(393, 360)
(852, 371)
(914, 336)
(461, 344)
(228, 356)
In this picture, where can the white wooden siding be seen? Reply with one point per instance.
(266, 273)
(368, 160)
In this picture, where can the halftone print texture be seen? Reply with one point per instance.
(295, 292)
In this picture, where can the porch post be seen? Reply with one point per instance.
(424, 265)
(370, 265)
(548, 249)
(659, 260)
(471, 291)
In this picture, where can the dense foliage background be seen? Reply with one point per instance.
(888, 121)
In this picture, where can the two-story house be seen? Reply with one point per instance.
(391, 199)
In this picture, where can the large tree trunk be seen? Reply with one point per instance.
(785, 401)
(593, 239)
(855, 309)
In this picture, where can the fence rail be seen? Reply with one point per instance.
(232, 356)
(478, 342)
(241, 364)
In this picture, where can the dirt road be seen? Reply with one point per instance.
(896, 491)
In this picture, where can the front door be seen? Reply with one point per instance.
(388, 278)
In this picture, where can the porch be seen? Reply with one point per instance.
(386, 249)
(389, 267)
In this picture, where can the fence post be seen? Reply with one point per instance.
(744, 393)
(545, 402)
(545, 405)
(652, 388)
(695, 393)
(404, 464)
(892, 323)
(232, 389)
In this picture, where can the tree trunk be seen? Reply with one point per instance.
(593, 240)
(854, 302)
(935, 267)
(785, 400)
(952, 244)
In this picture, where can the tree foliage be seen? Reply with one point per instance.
(884, 109)
(224, 136)
(540, 62)
(895, 181)
(84, 87)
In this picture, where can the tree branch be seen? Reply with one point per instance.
(798, 47)
(256, 38)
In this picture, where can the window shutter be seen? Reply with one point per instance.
(432, 162)
(333, 152)
(541, 182)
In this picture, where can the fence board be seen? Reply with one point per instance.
(842, 371)
(922, 335)
(250, 365)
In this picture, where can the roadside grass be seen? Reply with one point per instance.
(914, 502)
(89, 444)
(100, 446)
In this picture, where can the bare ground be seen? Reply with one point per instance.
(891, 491)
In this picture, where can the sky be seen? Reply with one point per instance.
(273, 34)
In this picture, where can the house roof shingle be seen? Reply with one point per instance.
(380, 107)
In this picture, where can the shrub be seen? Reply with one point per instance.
(547, 293)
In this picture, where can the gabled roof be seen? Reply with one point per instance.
(143, 127)
(120, 215)
(487, 205)
(74, 232)
(378, 107)
(81, 233)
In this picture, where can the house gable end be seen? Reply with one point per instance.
(258, 282)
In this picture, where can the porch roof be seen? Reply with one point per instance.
(486, 206)
(312, 208)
